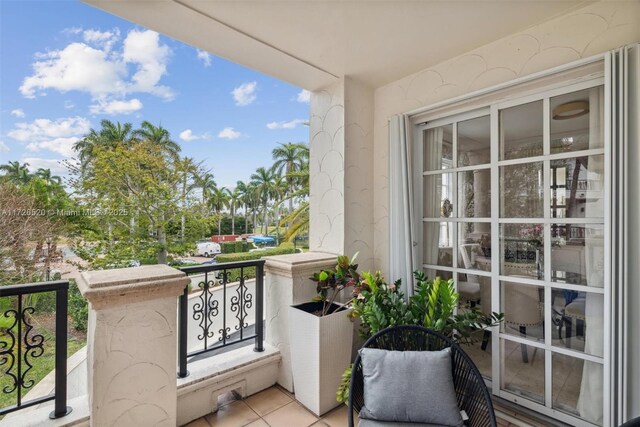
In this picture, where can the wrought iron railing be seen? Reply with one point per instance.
(222, 301)
(21, 345)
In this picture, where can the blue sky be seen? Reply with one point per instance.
(60, 77)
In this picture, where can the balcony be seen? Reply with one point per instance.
(226, 372)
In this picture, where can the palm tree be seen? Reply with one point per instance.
(49, 179)
(279, 191)
(109, 135)
(263, 180)
(298, 220)
(218, 201)
(243, 193)
(234, 199)
(158, 135)
(188, 169)
(207, 184)
(16, 173)
(290, 158)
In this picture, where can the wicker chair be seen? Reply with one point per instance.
(632, 423)
(471, 392)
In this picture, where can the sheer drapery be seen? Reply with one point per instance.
(434, 140)
(590, 398)
(401, 234)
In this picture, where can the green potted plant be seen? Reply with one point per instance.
(321, 335)
(380, 305)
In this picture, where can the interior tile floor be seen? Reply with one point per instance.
(275, 407)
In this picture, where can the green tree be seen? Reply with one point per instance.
(16, 173)
(159, 136)
(234, 199)
(298, 220)
(46, 175)
(188, 170)
(206, 182)
(290, 158)
(218, 201)
(109, 135)
(263, 180)
(140, 178)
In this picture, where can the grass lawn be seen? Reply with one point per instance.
(41, 365)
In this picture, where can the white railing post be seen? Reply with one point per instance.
(132, 344)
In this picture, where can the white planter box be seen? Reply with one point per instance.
(320, 352)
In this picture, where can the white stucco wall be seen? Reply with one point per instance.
(581, 33)
(341, 163)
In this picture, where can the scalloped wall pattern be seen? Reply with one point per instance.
(341, 198)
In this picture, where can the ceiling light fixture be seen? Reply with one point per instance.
(571, 110)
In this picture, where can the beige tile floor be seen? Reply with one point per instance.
(274, 407)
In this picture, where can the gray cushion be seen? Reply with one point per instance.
(374, 423)
(409, 387)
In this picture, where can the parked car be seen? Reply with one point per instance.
(207, 249)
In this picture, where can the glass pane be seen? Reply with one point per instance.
(577, 187)
(474, 141)
(523, 308)
(475, 245)
(524, 378)
(430, 273)
(577, 120)
(438, 196)
(474, 192)
(438, 148)
(522, 250)
(577, 254)
(577, 387)
(521, 131)
(579, 319)
(438, 243)
(480, 349)
(521, 191)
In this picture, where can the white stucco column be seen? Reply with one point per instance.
(132, 344)
(287, 283)
(341, 170)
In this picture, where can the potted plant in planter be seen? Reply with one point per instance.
(321, 335)
(380, 305)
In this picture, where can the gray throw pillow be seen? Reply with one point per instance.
(409, 386)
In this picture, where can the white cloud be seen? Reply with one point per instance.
(144, 49)
(105, 39)
(72, 30)
(205, 57)
(44, 129)
(304, 96)
(68, 104)
(229, 133)
(57, 136)
(245, 93)
(62, 146)
(287, 125)
(18, 112)
(115, 107)
(35, 163)
(188, 135)
(3, 147)
(95, 66)
(76, 67)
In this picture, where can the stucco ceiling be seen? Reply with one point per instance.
(310, 43)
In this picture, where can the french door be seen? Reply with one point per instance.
(512, 201)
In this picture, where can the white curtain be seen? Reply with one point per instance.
(401, 233)
(590, 398)
(434, 140)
